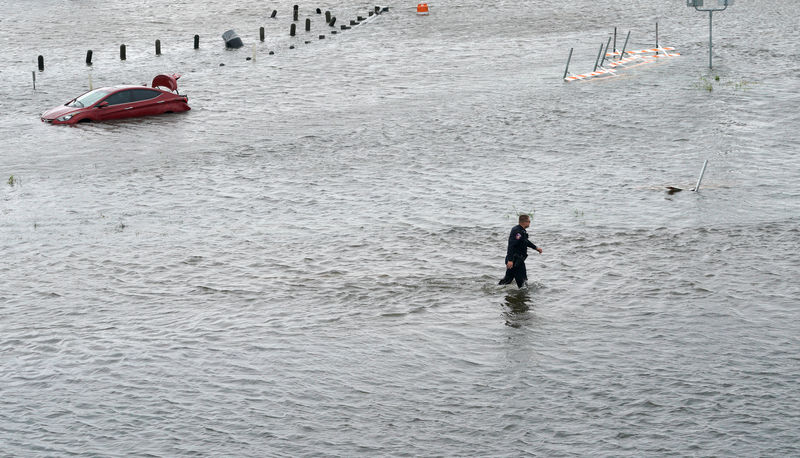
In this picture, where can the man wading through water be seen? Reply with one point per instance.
(518, 244)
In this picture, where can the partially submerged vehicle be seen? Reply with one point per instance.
(118, 102)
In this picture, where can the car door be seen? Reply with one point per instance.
(115, 106)
(145, 102)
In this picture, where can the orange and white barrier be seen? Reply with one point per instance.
(422, 9)
(642, 51)
(594, 74)
(631, 59)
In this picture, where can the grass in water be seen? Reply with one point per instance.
(708, 83)
(705, 84)
(517, 213)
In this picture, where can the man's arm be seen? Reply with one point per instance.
(530, 244)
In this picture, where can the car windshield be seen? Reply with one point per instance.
(87, 99)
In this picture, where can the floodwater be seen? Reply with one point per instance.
(306, 263)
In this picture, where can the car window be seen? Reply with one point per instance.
(88, 99)
(119, 97)
(143, 94)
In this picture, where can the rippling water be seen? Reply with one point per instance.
(305, 264)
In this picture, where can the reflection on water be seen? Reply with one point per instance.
(516, 306)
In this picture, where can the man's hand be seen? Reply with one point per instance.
(510, 265)
(539, 250)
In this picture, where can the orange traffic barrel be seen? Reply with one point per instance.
(422, 8)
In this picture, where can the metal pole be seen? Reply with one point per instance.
(621, 54)
(615, 39)
(604, 54)
(725, 3)
(567, 67)
(710, 13)
(656, 34)
(596, 61)
(702, 172)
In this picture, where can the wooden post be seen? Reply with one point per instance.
(197, 42)
(274, 13)
(41, 63)
(291, 30)
(261, 33)
(327, 16)
(122, 52)
(308, 24)
(89, 57)
(332, 21)
(295, 13)
(158, 47)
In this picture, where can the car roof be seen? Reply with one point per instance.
(123, 86)
(129, 86)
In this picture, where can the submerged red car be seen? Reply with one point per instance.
(119, 102)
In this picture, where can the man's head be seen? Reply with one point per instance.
(524, 221)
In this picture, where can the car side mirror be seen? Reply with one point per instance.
(102, 105)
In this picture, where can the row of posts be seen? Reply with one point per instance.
(330, 20)
(122, 52)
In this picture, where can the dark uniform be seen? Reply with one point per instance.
(518, 244)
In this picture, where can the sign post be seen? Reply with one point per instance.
(697, 4)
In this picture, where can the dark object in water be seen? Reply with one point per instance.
(232, 40)
(673, 190)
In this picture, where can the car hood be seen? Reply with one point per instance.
(59, 111)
